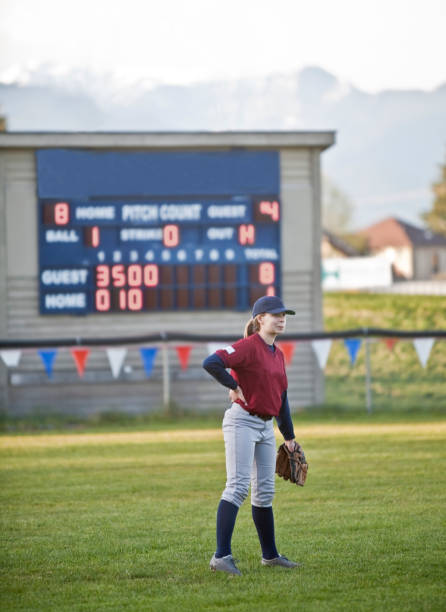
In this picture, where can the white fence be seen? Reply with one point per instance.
(345, 273)
(412, 288)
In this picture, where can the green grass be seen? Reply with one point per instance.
(125, 521)
(399, 382)
(348, 310)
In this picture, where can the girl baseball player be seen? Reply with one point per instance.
(258, 391)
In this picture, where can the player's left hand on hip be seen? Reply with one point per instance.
(237, 394)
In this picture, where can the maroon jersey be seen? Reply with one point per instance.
(259, 371)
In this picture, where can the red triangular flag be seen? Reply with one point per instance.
(287, 349)
(80, 356)
(183, 353)
(390, 342)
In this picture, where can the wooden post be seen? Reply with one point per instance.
(368, 376)
(166, 378)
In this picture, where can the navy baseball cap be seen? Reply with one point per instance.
(271, 304)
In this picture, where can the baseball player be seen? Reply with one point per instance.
(258, 391)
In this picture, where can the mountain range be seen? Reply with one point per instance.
(389, 144)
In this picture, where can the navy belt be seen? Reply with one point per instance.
(264, 417)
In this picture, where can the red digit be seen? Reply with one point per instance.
(135, 299)
(95, 236)
(118, 275)
(102, 300)
(150, 275)
(92, 236)
(122, 299)
(61, 213)
(246, 234)
(171, 236)
(270, 208)
(102, 276)
(266, 273)
(134, 275)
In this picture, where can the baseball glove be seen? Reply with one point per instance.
(292, 465)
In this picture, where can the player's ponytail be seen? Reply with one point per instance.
(252, 327)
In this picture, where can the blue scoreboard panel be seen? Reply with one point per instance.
(146, 231)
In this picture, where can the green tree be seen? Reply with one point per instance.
(337, 208)
(436, 217)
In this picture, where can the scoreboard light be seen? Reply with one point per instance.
(57, 214)
(112, 257)
(267, 207)
(246, 234)
(92, 236)
(171, 235)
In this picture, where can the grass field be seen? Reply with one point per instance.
(399, 382)
(125, 521)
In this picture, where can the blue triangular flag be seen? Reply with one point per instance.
(148, 358)
(48, 357)
(353, 345)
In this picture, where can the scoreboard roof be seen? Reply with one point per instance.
(156, 140)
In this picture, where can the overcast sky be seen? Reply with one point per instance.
(374, 44)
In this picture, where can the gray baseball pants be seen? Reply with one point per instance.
(250, 457)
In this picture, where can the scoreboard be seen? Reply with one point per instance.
(142, 232)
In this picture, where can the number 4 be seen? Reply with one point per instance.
(270, 208)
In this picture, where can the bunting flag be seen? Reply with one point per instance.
(148, 355)
(80, 356)
(322, 350)
(423, 346)
(48, 356)
(215, 346)
(353, 345)
(183, 352)
(116, 358)
(11, 358)
(390, 342)
(287, 349)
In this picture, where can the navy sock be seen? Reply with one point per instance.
(226, 515)
(264, 522)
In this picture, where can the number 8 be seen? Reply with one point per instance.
(61, 213)
(266, 273)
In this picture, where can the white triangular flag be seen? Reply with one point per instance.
(116, 358)
(322, 350)
(215, 346)
(423, 346)
(11, 358)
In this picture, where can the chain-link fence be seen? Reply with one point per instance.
(366, 368)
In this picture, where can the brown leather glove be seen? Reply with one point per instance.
(292, 465)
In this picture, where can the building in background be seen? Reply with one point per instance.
(345, 267)
(415, 253)
(334, 246)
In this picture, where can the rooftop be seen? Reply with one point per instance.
(240, 139)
